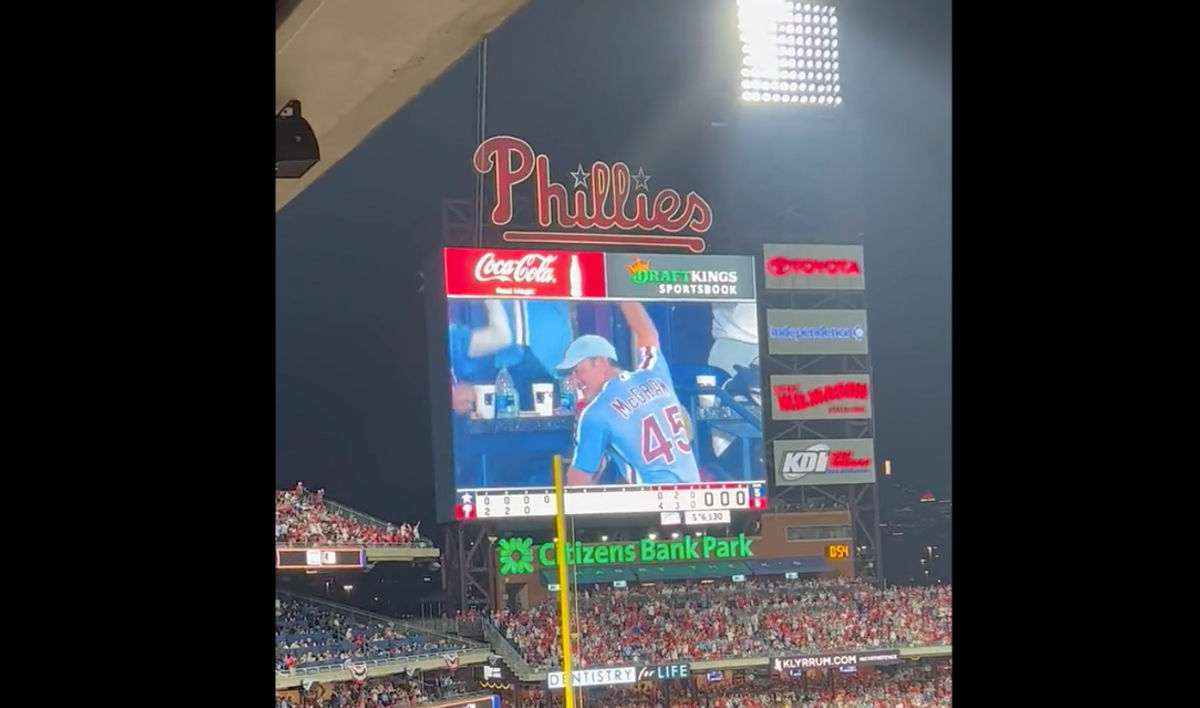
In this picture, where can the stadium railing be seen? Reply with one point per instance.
(522, 670)
(471, 653)
(457, 699)
(364, 616)
(470, 629)
(290, 678)
(421, 544)
(509, 654)
(361, 517)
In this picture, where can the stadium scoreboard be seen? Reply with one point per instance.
(672, 424)
(522, 503)
(320, 558)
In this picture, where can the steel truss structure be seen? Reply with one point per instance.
(469, 563)
(807, 189)
(862, 500)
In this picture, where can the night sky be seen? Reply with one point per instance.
(584, 81)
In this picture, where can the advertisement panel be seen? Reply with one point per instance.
(816, 332)
(845, 461)
(821, 397)
(514, 556)
(474, 272)
(320, 558)
(824, 661)
(675, 277)
(797, 266)
(617, 675)
(616, 362)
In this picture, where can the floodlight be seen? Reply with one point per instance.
(789, 53)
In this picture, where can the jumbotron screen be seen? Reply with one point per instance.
(641, 371)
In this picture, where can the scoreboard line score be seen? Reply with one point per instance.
(523, 503)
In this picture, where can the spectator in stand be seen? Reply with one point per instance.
(386, 692)
(910, 688)
(308, 634)
(302, 517)
(758, 618)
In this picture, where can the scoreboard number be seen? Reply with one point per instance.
(642, 499)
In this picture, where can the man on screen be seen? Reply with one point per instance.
(634, 417)
(524, 337)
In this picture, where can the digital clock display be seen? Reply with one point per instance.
(837, 551)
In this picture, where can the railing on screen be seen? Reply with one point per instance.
(748, 414)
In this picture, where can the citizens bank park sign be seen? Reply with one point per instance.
(514, 556)
(606, 204)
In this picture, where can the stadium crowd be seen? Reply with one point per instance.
(303, 517)
(907, 688)
(307, 634)
(759, 617)
(389, 691)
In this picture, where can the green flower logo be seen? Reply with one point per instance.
(516, 555)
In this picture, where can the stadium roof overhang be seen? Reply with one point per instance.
(353, 63)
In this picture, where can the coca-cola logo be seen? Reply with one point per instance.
(530, 268)
(780, 266)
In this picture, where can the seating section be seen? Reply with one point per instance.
(311, 635)
(760, 617)
(303, 517)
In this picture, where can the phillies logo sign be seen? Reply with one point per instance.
(530, 268)
(608, 199)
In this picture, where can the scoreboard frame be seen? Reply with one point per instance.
(318, 558)
(500, 504)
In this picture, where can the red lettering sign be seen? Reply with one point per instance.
(613, 198)
(559, 275)
(845, 459)
(791, 398)
(781, 267)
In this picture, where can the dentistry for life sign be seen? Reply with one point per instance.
(618, 675)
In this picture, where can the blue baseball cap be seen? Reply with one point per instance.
(586, 347)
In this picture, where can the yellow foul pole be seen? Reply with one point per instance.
(564, 604)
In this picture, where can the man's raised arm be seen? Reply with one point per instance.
(644, 332)
(493, 336)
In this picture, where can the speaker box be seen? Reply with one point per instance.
(296, 147)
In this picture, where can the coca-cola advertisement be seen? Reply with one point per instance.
(652, 382)
(479, 272)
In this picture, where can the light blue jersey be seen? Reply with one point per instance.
(639, 420)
